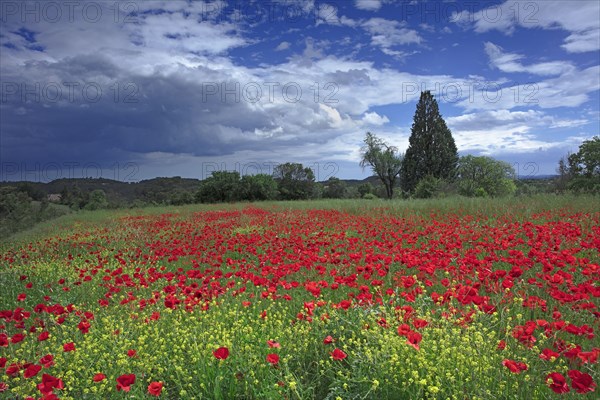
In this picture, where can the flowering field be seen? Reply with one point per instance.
(302, 304)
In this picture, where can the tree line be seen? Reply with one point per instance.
(431, 166)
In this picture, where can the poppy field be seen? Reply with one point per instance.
(269, 302)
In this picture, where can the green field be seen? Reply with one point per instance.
(354, 299)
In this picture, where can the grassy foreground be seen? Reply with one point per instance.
(451, 298)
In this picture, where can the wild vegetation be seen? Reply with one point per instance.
(402, 299)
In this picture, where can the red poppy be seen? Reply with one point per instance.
(557, 382)
(131, 353)
(3, 387)
(99, 377)
(548, 354)
(338, 354)
(328, 340)
(49, 383)
(516, 367)
(155, 388)
(501, 345)
(273, 343)
(403, 329)
(273, 358)
(47, 361)
(69, 347)
(32, 370)
(43, 336)
(84, 326)
(221, 353)
(124, 382)
(17, 337)
(414, 338)
(581, 382)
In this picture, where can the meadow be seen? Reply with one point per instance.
(348, 299)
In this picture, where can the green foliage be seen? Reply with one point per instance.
(580, 172)
(220, 187)
(383, 159)
(335, 189)
(18, 212)
(370, 196)
(428, 187)
(431, 149)
(483, 176)
(294, 181)
(97, 200)
(258, 187)
(365, 188)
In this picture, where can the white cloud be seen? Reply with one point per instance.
(387, 34)
(368, 5)
(502, 131)
(283, 46)
(579, 17)
(372, 118)
(509, 62)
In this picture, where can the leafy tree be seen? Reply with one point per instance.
(586, 162)
(181, 197)
(15, 210)
(258, 187)
(428, 187)
(294, 181)
(97, 200)
(483, 176)
(580, 171)
(221, 186)
(365, 188)
(431, 150)
(384, 161)
(334, 188)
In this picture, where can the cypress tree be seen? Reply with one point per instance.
(431, 150)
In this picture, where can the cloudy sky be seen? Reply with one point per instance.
(137, 89)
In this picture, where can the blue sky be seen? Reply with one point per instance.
(135, 90)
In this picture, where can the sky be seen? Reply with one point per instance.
(133, 90)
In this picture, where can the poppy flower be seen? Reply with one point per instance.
(124, 382)
(413, 339)
(557, 382)
(131, 353)
(155, 388)
(328, 340)
(47, 361)
(549, 355)
(516, 367)
(338, 354)
(273, 358)
(32, 370)
(221, 353)
(99, 377)
(273, 343)
(49, 383)
(69, 347)
(581, 382)
(17, 337)
(3, 387)
(43, 336)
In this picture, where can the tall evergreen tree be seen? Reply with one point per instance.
(431, 150)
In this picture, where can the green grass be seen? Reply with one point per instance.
(418, 207)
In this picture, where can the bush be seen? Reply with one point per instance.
(370, 196)
(428, 187)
